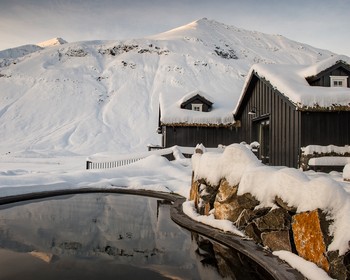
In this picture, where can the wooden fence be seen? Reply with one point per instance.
(128, 159)
(122, 160)
(110, 164)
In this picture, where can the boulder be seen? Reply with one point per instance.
(228, 205)
(225, 204)
(194, 191)
(207, 195)
(253, 232)
(277, 240)
(309, 237)
(339, 265)
(203, 207)
(203, 194)
(226, 193)
(247, 215)
(247, 201)
(276, 219)
(227, 211)
(284, 205)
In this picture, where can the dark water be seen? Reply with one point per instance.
(108, 236)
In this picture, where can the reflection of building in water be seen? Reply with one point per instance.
(162, 202)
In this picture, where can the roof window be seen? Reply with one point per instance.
(339, 81)
(197, 107)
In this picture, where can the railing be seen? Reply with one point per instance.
(110, 164)
(175, 152)
(122, 160)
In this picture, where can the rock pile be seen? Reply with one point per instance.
(278, 228)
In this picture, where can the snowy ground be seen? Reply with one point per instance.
(27, 174)
(23, 175)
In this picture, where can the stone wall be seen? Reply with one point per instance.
(278, 228)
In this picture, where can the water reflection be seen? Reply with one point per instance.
(108, 236)
(229, 264)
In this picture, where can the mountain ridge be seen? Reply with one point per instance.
(52, 42)
(103, 96)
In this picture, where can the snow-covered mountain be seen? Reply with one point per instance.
(11, 56)
(103, 96)
(52, 42)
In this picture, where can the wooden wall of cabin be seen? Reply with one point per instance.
(284, 136)
(325, 81)
(285, 132)
(205, 107)
(325, 128)
(191, 136)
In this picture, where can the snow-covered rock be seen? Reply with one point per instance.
(246, 191)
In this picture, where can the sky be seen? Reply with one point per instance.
(320, 23)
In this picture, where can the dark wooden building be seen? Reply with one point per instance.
(194, 119)
(286, 107)
(190, 136)
(198, 103)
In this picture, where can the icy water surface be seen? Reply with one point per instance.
(107, 236)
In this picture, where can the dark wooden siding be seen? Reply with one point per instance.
(284, 136)
(205, 107)
(325, 128)
(290, 129)
(208, 136)
(324, 80)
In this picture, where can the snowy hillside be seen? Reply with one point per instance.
(99, 96)
(9, 56)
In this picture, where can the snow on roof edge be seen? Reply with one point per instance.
(191, 94)
(322, 65)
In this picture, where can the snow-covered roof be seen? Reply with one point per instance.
(172, 113)
(317, 68)
(194, 93)
(290, 80)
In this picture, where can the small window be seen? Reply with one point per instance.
(339, 81)
(197, 107)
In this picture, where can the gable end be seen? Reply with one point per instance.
(197, 101)
(323, 78)
(247, 95)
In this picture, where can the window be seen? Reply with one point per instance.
(197, 107)
(339, 81)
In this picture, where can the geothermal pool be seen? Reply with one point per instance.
(108, 236)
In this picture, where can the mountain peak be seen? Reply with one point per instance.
(52, 42)
(200, 26)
